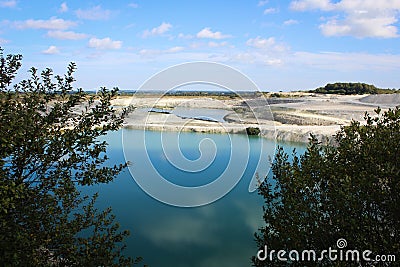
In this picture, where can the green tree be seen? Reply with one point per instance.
(49, 150)
(349, 190)
(349, 89)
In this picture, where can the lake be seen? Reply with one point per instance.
(220, 233)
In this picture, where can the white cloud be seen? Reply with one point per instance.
(360, 26)
(262, 3)
(274, 62)
(133, 5)
(368, 5)
(63, 8)
(105, 43)
(196, 45)
(244, 57)
(356, 18)
(185, 36)
(149, 52)
(51, 50)
(154, 52)
(267, 45)
(11, 3)
(94, 13)
(256, 57)
(4, 41)
(267, 52)
(216, 44)
(199, 44)
(261, 43)
(66, 35)
(163, 28)
(175, 49)
(207, 33)
(270, 10)
(302, 5)
(290, 22)
(50, 24)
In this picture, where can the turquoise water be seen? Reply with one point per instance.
(218, 234)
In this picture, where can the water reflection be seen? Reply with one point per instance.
(219, 234)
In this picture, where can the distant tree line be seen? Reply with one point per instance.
(352, 89)
(205, 93)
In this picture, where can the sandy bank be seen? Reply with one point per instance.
(291, 119)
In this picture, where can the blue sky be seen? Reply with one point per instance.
(280, 45)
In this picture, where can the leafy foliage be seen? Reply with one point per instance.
(49, 149)
(350, 190)
(253, 131)
(351, 89)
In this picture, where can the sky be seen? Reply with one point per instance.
(280, 45)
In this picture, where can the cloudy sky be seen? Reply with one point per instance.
(281, 45)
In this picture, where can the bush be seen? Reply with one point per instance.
(49, 150)
(253, 131)
(350, 191)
